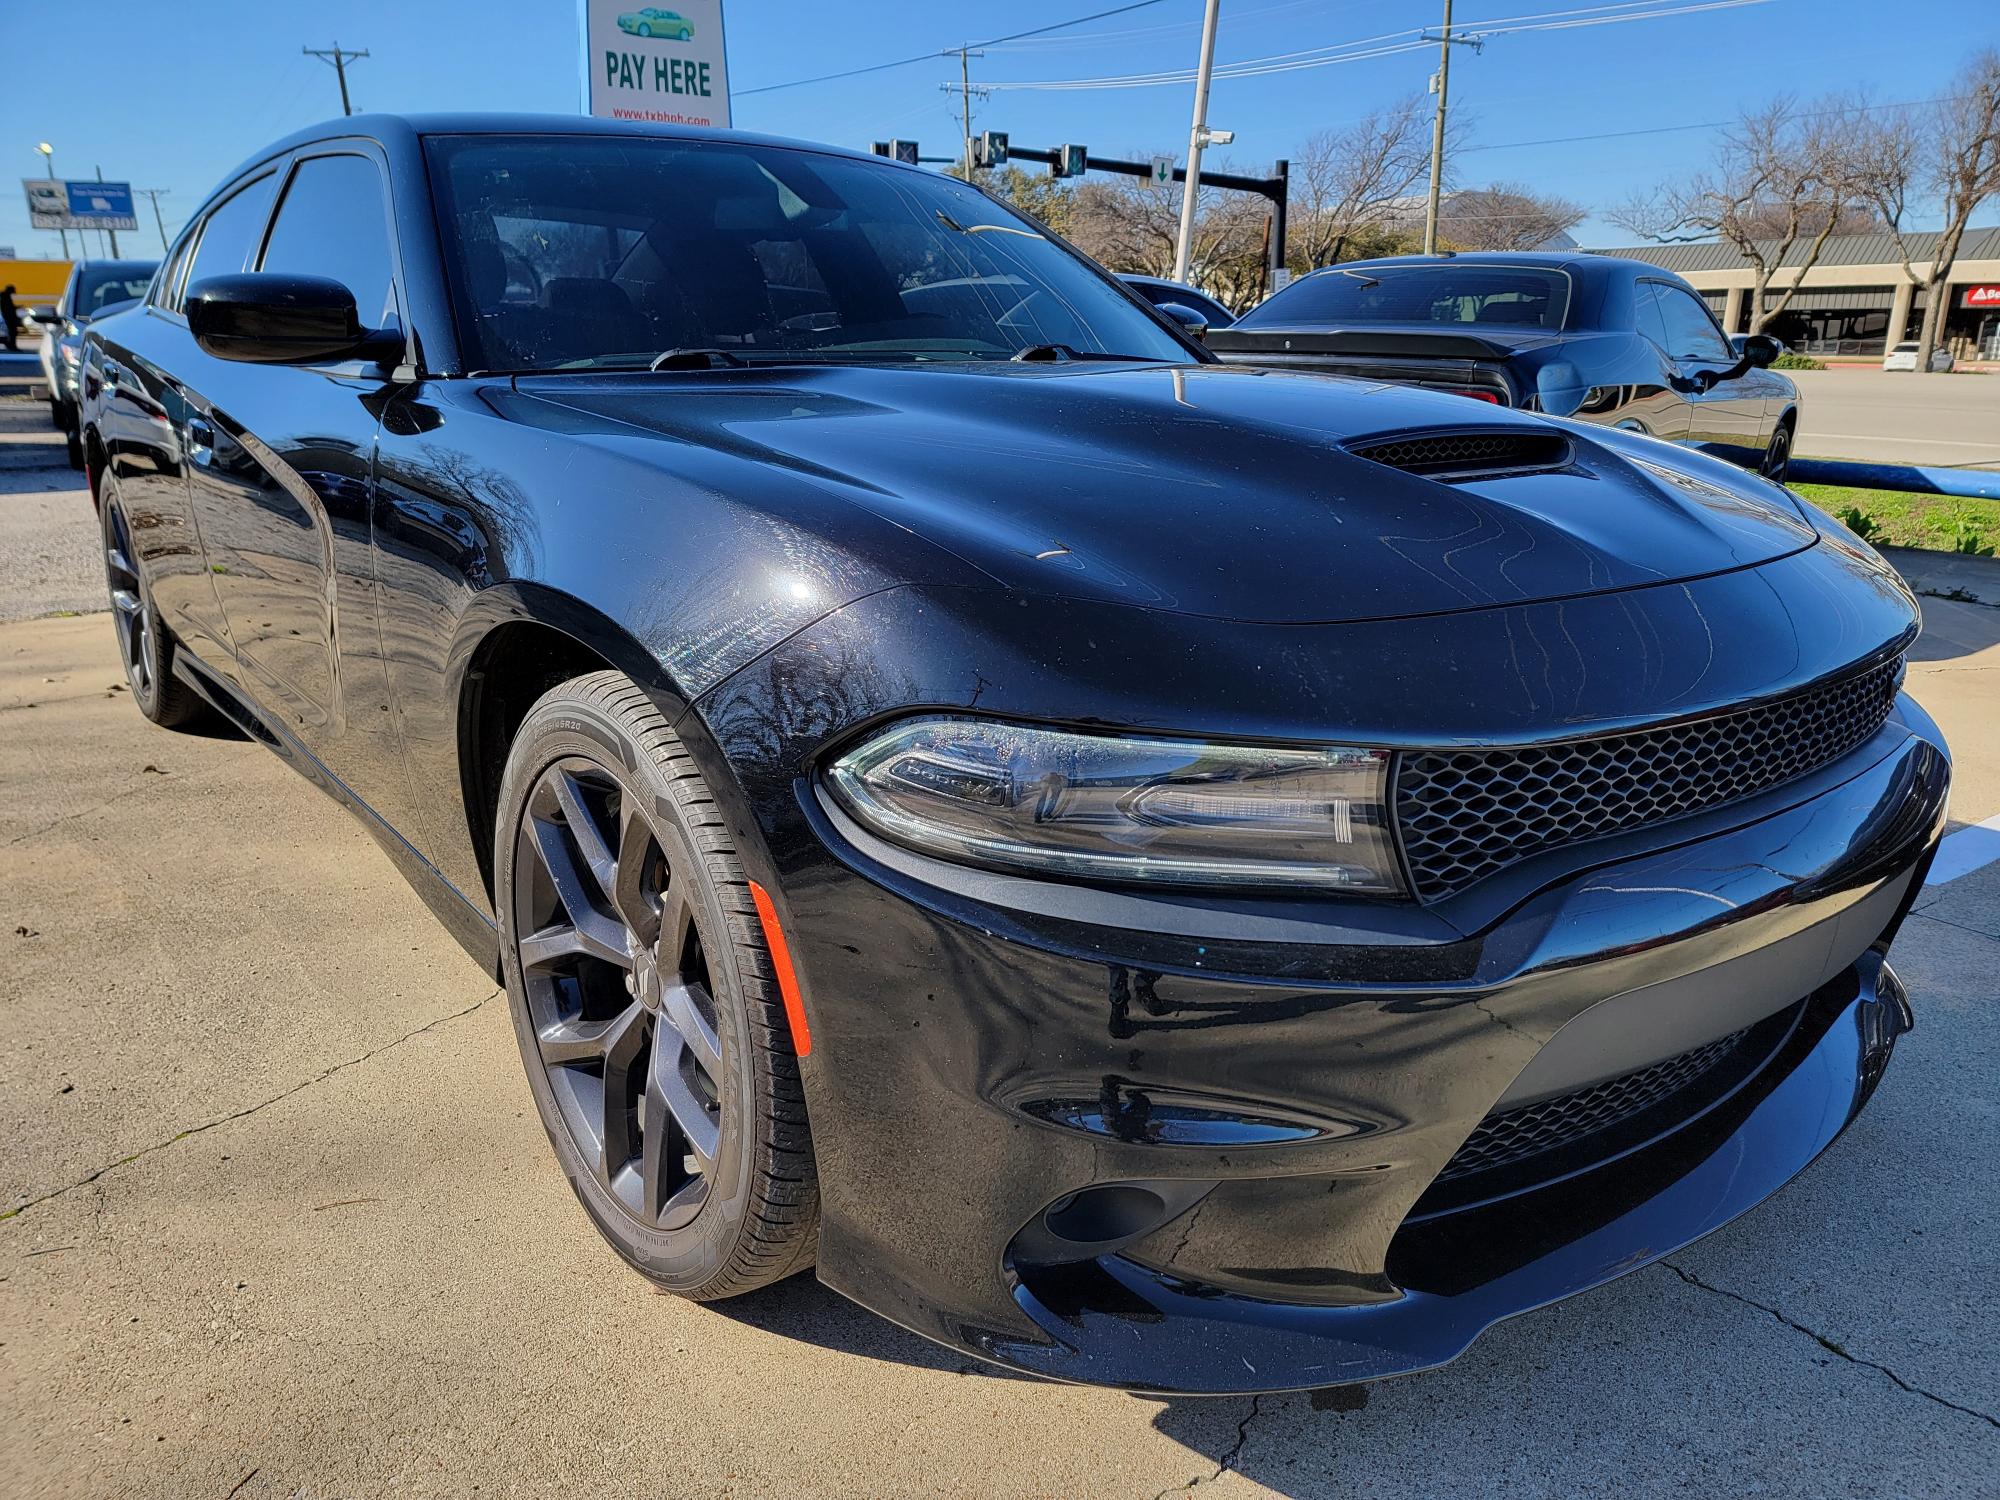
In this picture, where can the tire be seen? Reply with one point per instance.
(57, 419)
(602, 807)
(645, 30)
(145, 645)
(73, 445)
(1778, 456)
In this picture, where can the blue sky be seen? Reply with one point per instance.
(176, 105)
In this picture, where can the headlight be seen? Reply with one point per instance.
(69, 352)
(1126, 809)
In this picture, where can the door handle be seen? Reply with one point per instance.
(200, 441)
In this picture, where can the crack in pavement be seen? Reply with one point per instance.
(1829, 1345)
(251, 1109)
(1227, 1463)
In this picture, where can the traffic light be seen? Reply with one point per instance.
(991, 150)
(1071, 161)
(904, 151)
(878, 148)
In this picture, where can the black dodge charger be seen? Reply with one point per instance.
(1186, 877)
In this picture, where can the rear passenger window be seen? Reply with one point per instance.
(228, 237)
(331, 223)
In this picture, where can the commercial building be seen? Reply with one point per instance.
(1857, 299)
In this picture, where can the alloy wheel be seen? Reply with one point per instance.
(129, 613)
(618, 990)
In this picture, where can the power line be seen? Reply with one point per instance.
(904, 62)
(1393, 42)
(1614, 135)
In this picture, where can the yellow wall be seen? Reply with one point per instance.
(37, 283)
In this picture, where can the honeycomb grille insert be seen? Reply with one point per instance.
(1512, 1135)
(1453, 455)
(1465, 814)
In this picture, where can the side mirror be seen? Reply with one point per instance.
(1756, 350)
(46, 316)
(1193, 324)
(268, 318)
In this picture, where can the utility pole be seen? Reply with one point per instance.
(49, 160)
(1443, 81)
(1198, 137)
(965, 101)
(156, 194)
(110, 234)
(340, 60)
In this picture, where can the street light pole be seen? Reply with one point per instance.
(49, 160)
(1197, 138)
(1437, 136)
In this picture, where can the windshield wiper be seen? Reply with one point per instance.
(1063, 353)
(698, 359)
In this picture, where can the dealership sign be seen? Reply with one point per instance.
(654, 62)
(79, 205)
(1980, 296)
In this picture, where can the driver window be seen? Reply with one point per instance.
(1691, 332)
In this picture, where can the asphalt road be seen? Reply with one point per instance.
(1951, 421)
(281, 1220)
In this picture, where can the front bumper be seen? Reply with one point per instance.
(1273, 1116)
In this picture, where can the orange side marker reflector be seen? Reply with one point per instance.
(781, 960)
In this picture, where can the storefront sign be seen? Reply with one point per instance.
(653, 62)
(1980, 296)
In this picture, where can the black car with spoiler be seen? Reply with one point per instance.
(1597, 337)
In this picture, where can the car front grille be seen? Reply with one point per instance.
(1511, 1135)
(1465, 814)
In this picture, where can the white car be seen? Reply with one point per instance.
(1901, 357)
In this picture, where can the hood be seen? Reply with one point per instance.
(1210, 490)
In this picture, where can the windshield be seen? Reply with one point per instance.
(1517, 296)
(579, 252)
(97, 287)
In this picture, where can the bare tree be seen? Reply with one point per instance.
(1951, 150)
(1347, 182)
(1131, 225)
(1506, 216)
(1782, 184)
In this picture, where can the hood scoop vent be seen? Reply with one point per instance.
(1450, 456)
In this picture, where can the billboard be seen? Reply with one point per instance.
(54, 204)
(654, 62)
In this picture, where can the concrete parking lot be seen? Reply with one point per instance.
(280, 1219)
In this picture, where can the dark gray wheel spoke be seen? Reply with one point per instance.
(684, 1014)
(697, 1129)
(599, 935)
(625, 1050)
(568, 1042)
(583, 828)
(627, 888)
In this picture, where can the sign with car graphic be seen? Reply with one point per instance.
(55, 204)
(652, 62)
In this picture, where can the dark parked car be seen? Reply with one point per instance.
(1146, 872)
(94, 287)
(1598, 337)
(1163, 293)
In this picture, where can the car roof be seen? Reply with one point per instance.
(408, 130)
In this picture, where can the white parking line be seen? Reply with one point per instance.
(1966, 850)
